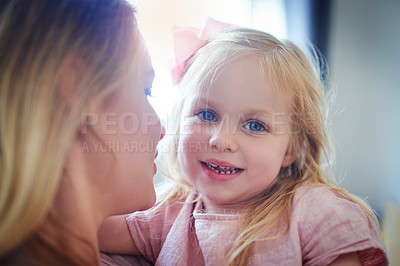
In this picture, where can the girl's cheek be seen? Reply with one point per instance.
(193, 139)
(192, 126)
(188, 124)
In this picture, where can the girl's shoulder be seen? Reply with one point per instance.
(316, 203)
(330, 223)
(163, 212)
(320, 196)
(149, 229)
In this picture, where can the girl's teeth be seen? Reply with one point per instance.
(222, 169)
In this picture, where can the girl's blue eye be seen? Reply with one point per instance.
(207, 115)
(255, 126)
(147, 91)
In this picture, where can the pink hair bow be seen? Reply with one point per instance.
(188, 40)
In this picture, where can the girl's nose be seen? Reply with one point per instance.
(223, 141)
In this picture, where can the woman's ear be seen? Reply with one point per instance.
(70, 79)
(70, 75)
(291, 154)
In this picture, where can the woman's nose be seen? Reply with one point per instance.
(162, 132)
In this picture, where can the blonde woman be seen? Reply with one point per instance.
(249, 162)
(77, 134)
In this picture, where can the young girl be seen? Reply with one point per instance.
(249, 150)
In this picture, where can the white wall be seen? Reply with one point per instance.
(365, 66)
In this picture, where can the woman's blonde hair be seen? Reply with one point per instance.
(292, 71)
(39, 118)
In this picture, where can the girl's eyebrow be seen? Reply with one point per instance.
(206, 101)
(259, 112)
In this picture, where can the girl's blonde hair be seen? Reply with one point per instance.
(291, 71)
(39, 119)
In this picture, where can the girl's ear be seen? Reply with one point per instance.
(290, 156)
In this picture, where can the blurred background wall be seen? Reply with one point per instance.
(364, 57)
(361, 40)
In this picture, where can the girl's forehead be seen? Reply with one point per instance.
(247, 78)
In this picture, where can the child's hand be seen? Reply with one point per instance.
(114, 237)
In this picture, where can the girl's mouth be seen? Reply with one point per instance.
(222, 170)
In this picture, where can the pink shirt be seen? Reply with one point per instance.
(323, 225)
